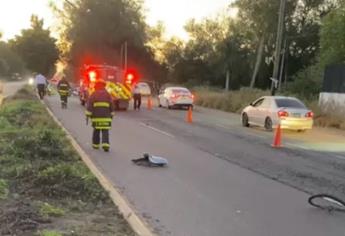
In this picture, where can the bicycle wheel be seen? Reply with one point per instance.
(327, 202)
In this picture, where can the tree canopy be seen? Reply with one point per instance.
(244, 46)
(36, 47)
(95, 31)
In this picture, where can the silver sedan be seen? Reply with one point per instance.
(269, 111)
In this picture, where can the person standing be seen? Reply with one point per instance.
(41, 83)
(137, 97)
(100, 109)
(63, 88)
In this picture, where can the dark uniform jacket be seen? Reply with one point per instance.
(100, 109)
(63, 88)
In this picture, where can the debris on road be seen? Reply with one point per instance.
(151, 161)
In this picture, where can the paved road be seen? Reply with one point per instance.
(10, 88)
(222, 179)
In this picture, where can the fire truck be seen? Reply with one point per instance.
(118, 83)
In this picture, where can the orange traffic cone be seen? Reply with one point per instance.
(190, 115)
(277, 138)
(149, 103)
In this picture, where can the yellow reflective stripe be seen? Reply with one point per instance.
(101, 119)
(120, 91)
(101, 104)
(63, 92)
(95, 145)
(107, 145)
(101, 127)
(88, 113)
(126, 91)
(111, 88)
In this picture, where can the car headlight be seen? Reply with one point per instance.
(31, 81)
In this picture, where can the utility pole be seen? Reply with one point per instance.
(282, 67)
(227, 81)
(126, 56)
(278, 45)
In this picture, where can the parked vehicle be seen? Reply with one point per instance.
(269, 111)
(171, 97)
(145, 89)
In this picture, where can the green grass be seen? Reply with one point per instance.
(35, 153)
(47, 210)
(4, 191)
(50, 233)
(38, 164)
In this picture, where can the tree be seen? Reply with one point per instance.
(36, 47)
(94, 31)
(333, 37)
(10, 62)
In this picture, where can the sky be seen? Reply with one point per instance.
(15, 14)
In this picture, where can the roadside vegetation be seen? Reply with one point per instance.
(235, 101)
(45, 188)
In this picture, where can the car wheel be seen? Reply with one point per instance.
(245, 120)
(268, 124)
(301, 130)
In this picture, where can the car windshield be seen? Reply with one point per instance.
(180, 91)
(289, 103)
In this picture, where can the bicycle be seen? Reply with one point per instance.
(327, 202)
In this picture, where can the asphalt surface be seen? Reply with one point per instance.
(10, 88)
(222, 179)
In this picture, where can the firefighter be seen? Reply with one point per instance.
(63, 89)
(100, 109)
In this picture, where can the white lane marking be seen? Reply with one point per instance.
(157, 130)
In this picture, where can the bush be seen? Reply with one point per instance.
(307, 83)
(232, 101)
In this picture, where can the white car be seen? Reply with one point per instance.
(145, 89)
(269, 111)
(175, 97)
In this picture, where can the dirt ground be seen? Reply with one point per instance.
(22, 217)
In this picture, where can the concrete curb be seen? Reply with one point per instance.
(139, 226)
